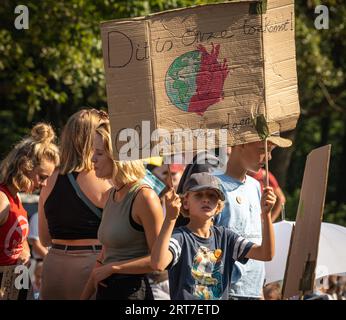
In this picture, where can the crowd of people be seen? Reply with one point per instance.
(101, 232)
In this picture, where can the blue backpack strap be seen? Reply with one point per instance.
(83, 197)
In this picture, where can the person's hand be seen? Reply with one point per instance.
(24, 258)
(173, 204)
(268, 200)
(100, 273)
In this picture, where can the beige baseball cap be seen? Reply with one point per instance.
(203, 181)
(279, 141)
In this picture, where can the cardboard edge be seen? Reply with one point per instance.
(284, 296)
(263, 69)
(328, 149)
(152, 87)
(276, 125)
(157, 14)
(287, 264)
(310, 265)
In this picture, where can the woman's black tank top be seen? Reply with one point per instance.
(67, 215)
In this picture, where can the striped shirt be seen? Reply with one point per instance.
(201, 267)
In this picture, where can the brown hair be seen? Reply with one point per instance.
(123, 171)
(185, 213)
(77, 140)
(27, 154)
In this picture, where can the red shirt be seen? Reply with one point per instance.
(260, 177)
(14, 231)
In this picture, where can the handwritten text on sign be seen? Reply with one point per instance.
(140, 51)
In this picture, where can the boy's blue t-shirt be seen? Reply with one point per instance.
(242, 214)
(200, 268)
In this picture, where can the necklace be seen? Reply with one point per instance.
(117, 190)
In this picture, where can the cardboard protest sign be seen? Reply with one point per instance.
(301, 262)
(205, 67)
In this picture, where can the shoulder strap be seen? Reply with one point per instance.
(133, 223)
(83, 197)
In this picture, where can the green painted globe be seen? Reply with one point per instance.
(180, 79)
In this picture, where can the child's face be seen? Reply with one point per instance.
(201, 203)
(162, 174)
(253, 155)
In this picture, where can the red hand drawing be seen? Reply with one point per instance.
(209, 80)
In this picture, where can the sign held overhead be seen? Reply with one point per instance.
(214, 67)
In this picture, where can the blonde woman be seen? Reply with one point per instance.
(66, 222)
(26, 168)
(131, 222)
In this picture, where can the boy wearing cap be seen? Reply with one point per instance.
(242, 211)
(200, 256)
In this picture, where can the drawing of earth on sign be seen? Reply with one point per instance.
(195, 80)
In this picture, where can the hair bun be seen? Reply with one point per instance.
(43, 132)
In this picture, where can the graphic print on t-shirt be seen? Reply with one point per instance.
(16, 236)
(206, 271)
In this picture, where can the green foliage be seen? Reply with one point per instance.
(335, 213)
(261, 126)
(321, 65)
(55, 67)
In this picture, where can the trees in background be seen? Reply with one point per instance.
(321, 66)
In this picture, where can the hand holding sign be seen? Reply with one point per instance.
(173, 204)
